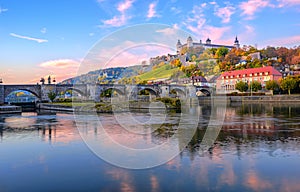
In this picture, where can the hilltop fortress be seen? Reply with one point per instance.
(190, 45)
(207, 45)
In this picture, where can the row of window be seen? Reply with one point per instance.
(245, 75)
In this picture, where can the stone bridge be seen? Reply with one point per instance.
(93, 91)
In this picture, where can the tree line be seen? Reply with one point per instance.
(288, 84)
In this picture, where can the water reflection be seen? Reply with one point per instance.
(47, 125)
(256, 150)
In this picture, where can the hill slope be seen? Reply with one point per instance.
(163, 72)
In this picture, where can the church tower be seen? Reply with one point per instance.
(236, 43)
(189, 42)
(208, 41)
(178, 46)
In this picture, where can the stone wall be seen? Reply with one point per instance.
(45, 89)
(1, 94)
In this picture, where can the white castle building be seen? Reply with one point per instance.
(207, 45)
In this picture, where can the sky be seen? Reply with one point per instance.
(62, 37)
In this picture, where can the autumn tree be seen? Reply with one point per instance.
(255, 86)
(176, 63)
(295, 60)
(272, 85)
(269, 52)
(288, 84)
(241, 86)
(222, 52)
(282, 53)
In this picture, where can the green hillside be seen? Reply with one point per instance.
(163, 72)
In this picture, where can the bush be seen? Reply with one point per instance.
(51, 96)
(173, 102)
(63, 100)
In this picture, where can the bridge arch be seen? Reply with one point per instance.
(203, 92)
(76, 90)
(179, 92)
(117, 90)
(151, 91)
(35, 90)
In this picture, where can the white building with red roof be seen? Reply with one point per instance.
(227, 81)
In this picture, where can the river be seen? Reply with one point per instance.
(257, 148)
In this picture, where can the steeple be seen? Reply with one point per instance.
(178, 45)
(208, 41)
(236, 43)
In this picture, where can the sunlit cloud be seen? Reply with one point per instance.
(284, 3)
(61, 63)
(203, 5)
(122, 18)
(28, 38)
(123, 6)
(151, 11)
(60, 69)
(250, 7)
(116, 21)
(283, 41)
(197, 23)
(225, 13)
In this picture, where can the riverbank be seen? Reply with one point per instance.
(10, 109)
(265, 98)
(253, 99)
(107, 107)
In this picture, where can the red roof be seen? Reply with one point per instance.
(247, 72)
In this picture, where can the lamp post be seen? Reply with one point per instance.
(251, 88)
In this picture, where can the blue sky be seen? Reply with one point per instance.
(40, 38)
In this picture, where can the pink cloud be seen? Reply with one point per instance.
(152, 11)
(135, 55)
(61, 63)
(284, 41)
(197, 24)
(225, 13)
(284, 3)
(61, 69)
(123, 6)
(122, 18)
(250, 7)
(116, 21)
